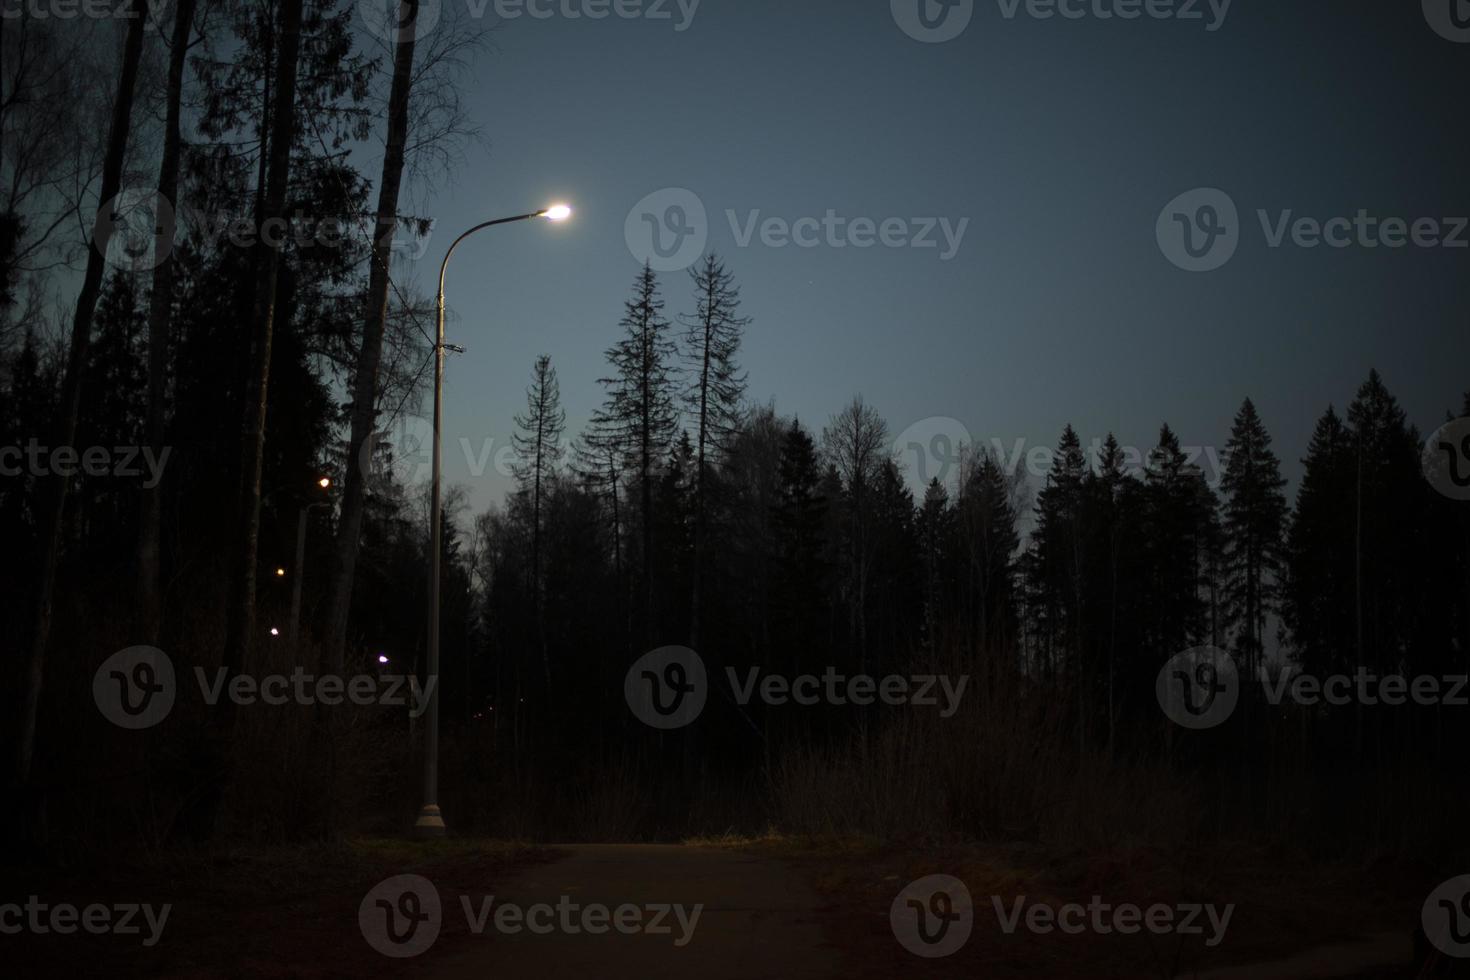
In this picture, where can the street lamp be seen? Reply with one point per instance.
(430, 822)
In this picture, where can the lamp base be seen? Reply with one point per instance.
(430, 823)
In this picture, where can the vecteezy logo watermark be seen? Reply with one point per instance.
(667, 688)
(937, 21)
(668, 229)
(138, 228)
(1449, 18)
(395, 22)
(1199, 230)
(64, 919)
(833, 230)
(405, 450)
(1446, 459)
(69, 461)
(933, 916)
(131, 230)
(933, 21)
(930, 450)
(1198, 688)
(134, 688)
(1103, 918)
(399, 22)
(1366, 687)
(72, 9)
(402, 916)
(1446, 917)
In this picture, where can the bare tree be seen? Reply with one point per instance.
(71, 386)
(240, 610)
(855, 442)
(715, 393)
(370, 351)
(160, 308)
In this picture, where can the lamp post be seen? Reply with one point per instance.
(430, 821)
(299, 569)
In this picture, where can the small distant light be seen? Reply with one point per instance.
(382, 658)
(275, 632)
(324, 483)
(280, 573)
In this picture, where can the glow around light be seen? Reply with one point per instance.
(558, 212)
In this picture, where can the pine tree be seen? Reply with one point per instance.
(714, 393)
(934, 529)
(1254, 525)
(537, 442)
(1179, 522)
(1318, 599)
(1058, 561)
(640, 414)
(985, 522)
(1386, 488)
(798, 518)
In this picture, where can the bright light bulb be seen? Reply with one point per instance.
(324, 483)
(558, 212)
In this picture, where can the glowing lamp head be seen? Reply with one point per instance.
(324, 483)
(382, 658)
(557, 212)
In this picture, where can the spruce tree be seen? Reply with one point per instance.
(1254, 524)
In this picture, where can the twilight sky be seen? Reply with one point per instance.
(1060, 141)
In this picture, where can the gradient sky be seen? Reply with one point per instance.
(1059, 140)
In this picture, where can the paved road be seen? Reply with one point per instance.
(758, 919)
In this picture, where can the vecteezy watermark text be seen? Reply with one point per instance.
(935, 915)
(402, 917)
(135, 688)
(1200, 230)
(64, 919)
(1200, 688)
(667, 688)
(937, 21)
(36, 459)
(670, 228)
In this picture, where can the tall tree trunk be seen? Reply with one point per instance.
(160, 307)
(699, 493)
(536, 590)
(240, 607)
(370, 355)
(71, 389)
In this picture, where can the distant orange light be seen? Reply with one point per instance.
(280, 573)
(324, 483)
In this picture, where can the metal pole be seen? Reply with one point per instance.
(430, 822)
